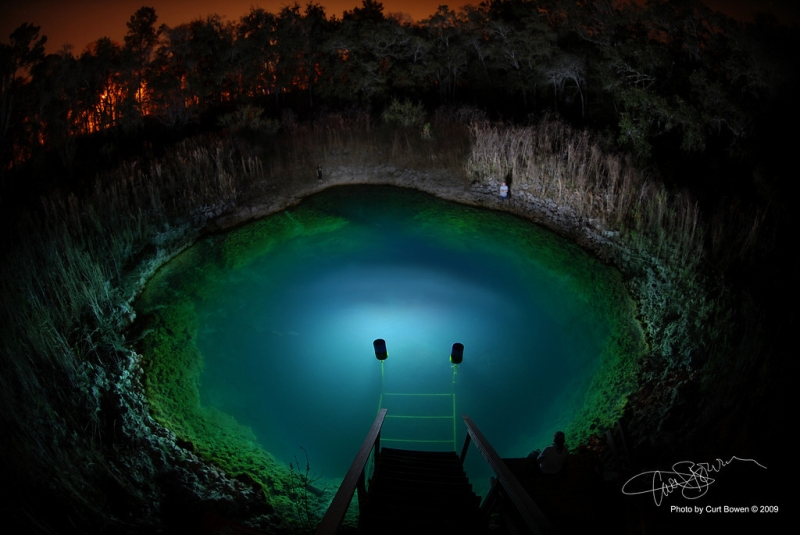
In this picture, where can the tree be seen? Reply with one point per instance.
(567, 68)
(140, 42)
(477, 36)
(142, 36)
(678, 67)
(370, 52)
(25, 49)
(210, 46)
(102, 90)
(523, 44)
(56, 86)
(257, 52)
(301, 38)
(370, 11)
(172, 97)
(448, 52)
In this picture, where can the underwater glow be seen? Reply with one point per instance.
(284, 311)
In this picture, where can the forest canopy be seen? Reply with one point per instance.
(665, 73)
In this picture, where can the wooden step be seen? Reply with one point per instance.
(420, 492)
(403, 484)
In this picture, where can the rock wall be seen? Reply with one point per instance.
(176, 482)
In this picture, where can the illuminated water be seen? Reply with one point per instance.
(286, 314)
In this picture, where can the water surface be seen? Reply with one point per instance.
(287, 309)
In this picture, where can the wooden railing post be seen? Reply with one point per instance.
(464, 449)
(527, 508)
(361, 489)
(354, 479)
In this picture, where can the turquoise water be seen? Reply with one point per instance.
(286, 333)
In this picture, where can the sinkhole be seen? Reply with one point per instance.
(260, 339)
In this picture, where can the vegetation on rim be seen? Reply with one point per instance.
(68, 284)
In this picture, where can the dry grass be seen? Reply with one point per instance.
(551, 161)
(64, 306)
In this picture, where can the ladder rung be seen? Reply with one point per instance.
(412, 440)
(399, 394)
(421, 417)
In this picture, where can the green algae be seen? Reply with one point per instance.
(247, 243)
(167, 308)
(173, 363)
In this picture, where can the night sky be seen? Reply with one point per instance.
(80, 22)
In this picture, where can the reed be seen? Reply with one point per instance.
(65, 303)
(553, 162)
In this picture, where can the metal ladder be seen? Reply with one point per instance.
(446, 415)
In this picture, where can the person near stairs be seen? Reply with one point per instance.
(552, 459)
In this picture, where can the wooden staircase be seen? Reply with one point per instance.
(420, 492)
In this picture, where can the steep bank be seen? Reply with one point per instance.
(158, 482)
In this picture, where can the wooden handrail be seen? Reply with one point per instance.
(527, 508)
(353, 479)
